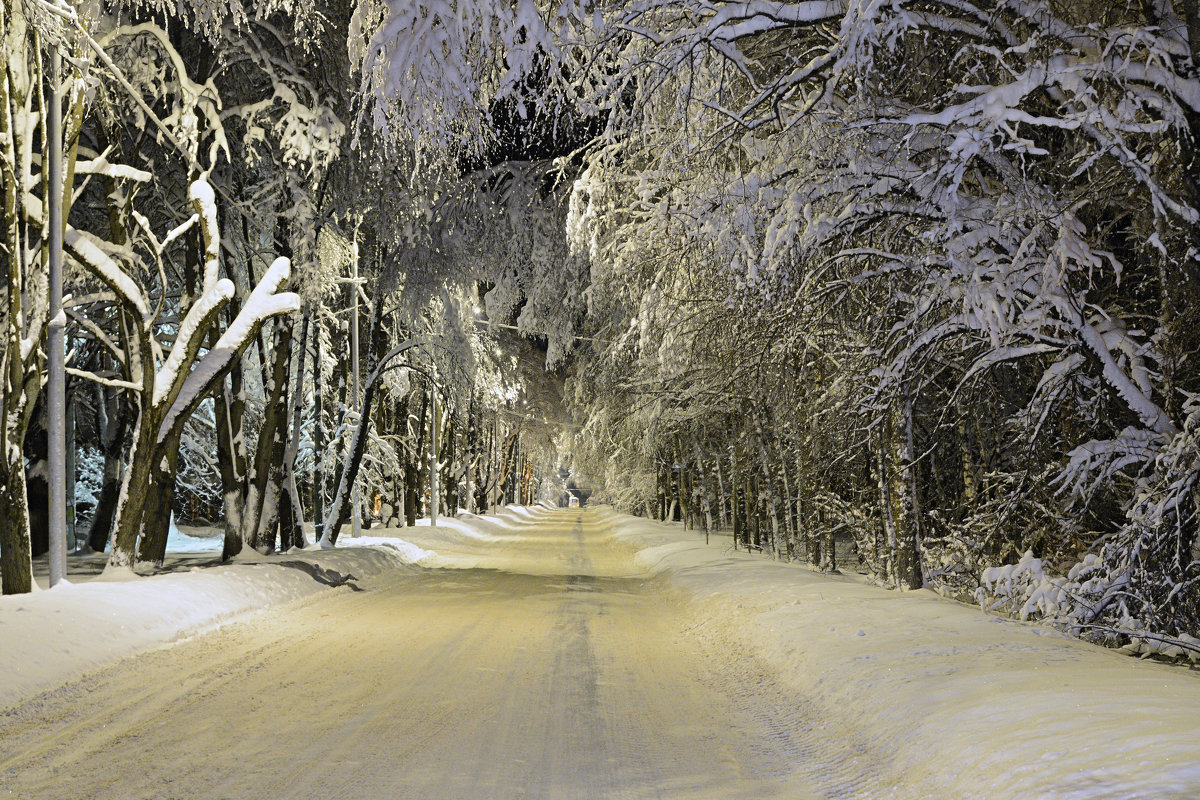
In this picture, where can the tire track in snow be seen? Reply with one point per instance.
(562, 672)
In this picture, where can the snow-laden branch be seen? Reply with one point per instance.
(214, 294)
(194, 325)
(1137, 400)
(737, 20)
(103, 381)
(88, 253)
(381, 367)
(101, 166)
(262, 304)
(87, 250)
(97, 333)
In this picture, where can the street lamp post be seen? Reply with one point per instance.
(55, 335)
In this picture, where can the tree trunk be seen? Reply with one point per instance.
(791, 535)
(768, 483)
(37, 487)
(289, 522)
(830, 564)
(261, 520)
(891, 572)
(72, 542)
(449, 465)
(112, 422)
(683, 487)
(910, 508)
(508, 469)
(735, 500)
(754, 495)
(318, 436)
(339, 509)
(291, 512)
(158, 496)
(660, 493)
(135, 486)
(722, 518)
(21, 379)
(16, 568)
(470, 456)
(412, 464)
(230, 408)
(156, 518)
(968, 469)
(706, 498)
(435, 442)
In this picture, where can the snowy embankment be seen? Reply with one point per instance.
(962, 703)
(49, 637)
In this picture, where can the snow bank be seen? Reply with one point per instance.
(962, 703)
(49, 637)
(455, 542)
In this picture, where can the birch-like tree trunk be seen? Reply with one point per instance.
(891, 554)
(412, 469)
(704, 489)
(318, 436)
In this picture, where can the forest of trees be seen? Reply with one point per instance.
(919, 272)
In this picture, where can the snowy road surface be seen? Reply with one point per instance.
(557, 670)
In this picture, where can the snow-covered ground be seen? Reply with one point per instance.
(970, 703)
(49, 637)
(933, 698)
(964, 703)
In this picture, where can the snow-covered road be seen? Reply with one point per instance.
(565, 654)
(555, 670)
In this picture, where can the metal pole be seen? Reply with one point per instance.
(55, 336)
(434, 500)
(355, 522)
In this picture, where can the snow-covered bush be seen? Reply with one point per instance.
(1024, 590)
(198, 480)
(89, 476)
(1027, 591)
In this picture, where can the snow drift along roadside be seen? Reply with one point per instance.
(962, 703)
(50, 637)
